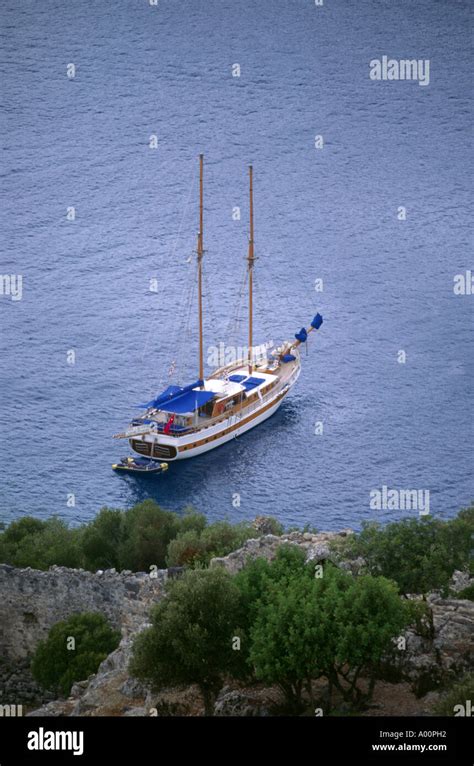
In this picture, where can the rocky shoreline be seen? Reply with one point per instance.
(32, 601)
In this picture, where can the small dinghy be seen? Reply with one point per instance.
(140, 465)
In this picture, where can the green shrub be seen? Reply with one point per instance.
(187, 549)
(336, 626)
(267, 525)
(467, 593)
(132, 539)
(102, 539)
(197, 547)
(39, 544)
(191, 520)
(147, 530)
(221, 537)
(192, 634)
(57, 667)
(454, 701)
(419, 554)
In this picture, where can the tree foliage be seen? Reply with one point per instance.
(57, 666)
(293, 625)
(30, 542)
(192, 637)
(102, 539)
(135, 539)
(303, 627)
(196, 547)
(454, 701)
(419, 554)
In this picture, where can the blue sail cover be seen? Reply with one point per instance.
(166, 394)
(301, 335)
(317, 322)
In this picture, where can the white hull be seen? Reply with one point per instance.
(228, 437)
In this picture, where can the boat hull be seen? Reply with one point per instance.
(199, 450)
(170, 447)
(216, 437)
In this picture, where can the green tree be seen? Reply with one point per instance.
(419, 554)
(302, 627)
(368, 614)
(255, 579)
(147, 530)
(284, 647)
(102, 539)
(59, 662)
(21, 528)
(187, 549)
(14, 534)
(195, 546)
(39, 544)
(192, 635)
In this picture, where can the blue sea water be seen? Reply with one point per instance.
(328, 213)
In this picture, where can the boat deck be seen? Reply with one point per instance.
(229, 384)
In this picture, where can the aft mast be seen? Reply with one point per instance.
(200, 253)
(250, 262)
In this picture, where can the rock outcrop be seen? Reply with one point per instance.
(316, 546)
(431, 660)
(31, 601)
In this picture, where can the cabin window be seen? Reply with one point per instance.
(206, 409)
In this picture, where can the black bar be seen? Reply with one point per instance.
(156, 739)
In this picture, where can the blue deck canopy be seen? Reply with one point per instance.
(188, 401)
(168, 394)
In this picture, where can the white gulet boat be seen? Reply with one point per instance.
(182, 422)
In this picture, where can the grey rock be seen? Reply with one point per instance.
(133, 688)
(461, 580)
(316, 546)
(233, 702)
(47, 597)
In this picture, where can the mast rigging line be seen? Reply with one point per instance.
(184, 332)
(261, 290)
(235, 321)
(172, 252)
